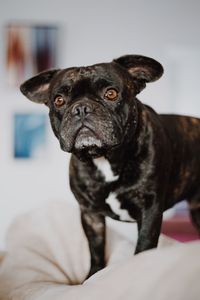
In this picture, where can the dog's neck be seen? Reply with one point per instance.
(130, 149)
(136, 130)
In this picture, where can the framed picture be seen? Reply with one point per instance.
(29, 50)
(30, 135)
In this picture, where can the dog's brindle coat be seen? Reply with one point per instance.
(154, 159)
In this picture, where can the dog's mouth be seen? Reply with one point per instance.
(84, 140)
(87, 143)
(91, 138)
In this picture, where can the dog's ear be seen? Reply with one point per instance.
(36, 88)
(143, 69)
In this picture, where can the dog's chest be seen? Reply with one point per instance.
(112, 201)
(104, 167)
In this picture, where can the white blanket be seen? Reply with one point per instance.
(48, 259)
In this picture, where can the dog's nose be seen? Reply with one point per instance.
(81, 110)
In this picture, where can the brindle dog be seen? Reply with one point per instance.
(128, 162)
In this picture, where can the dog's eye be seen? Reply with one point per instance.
(111, 94)
(59, 101)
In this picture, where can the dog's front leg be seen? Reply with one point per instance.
(94, 227)
(149, 228)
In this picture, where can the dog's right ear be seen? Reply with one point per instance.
(36, 88)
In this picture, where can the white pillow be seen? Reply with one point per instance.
(48, 259)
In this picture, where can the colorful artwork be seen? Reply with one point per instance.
(30, 132)
(30, 50)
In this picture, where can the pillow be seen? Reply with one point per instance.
(48, 258)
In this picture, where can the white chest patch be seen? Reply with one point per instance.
(104, 167)
(114, 204)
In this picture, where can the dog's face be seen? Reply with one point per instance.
(92, 109)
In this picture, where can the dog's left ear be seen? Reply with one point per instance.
(143, 69)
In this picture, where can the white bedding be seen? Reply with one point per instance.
(48, 259)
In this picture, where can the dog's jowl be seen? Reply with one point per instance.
(128, 162)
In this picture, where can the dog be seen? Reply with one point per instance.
(128, 162)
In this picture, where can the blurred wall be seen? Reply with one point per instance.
(95, 31)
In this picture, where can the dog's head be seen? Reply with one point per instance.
(93, 109)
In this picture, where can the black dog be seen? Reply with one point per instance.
(128, 162)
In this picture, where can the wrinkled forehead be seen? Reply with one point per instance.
(101, 73)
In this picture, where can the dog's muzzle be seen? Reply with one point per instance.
(78, 130)
(90, 128)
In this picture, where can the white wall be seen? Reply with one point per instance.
(91, 31)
